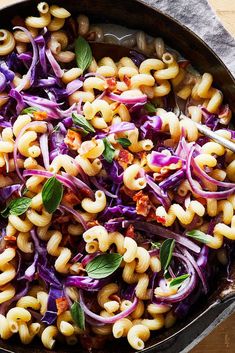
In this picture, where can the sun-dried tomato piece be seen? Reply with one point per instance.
(63, 219)
(62, 305)
(70, 198)
(127, 80)
(130, 232)
(93, 223)
(143, 204)
(10, 238)
(152, 216)
(125, 158)
(73, 140)
(183, 63)
(40, 116)
(111, 82)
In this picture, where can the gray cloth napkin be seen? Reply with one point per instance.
(200, 18)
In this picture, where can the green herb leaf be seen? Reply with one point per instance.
(24, 191)
(16, 207)
(104, 265)
(124, 142)
(29, 110)
(78, 315)
(83, 53)
(167, 275)
(5, 213)
(52, 193)
(56, 128)
(179, 280)
(109, 151)
(150, 107)
(200, 236)
(166, 253)
(156, 245)
(82, 122)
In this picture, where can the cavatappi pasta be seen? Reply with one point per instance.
(95, 166)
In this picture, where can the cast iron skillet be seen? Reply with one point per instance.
(134, 14)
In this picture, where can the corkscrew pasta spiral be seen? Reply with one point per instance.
(114, 208)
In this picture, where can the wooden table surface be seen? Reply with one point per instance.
(222, 339)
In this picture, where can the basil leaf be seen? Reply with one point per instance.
(156, 245)
(167, 275)
(5, 213)
(150, 107)
(166, 253)
(78, 315)
(24, 191)
(104, 265)
(56, 128)
(124, 142)
(200, 236)
(109, 151)
(179, 280)
(52, 193)
(82, 122)
(83, 53)
(17, 207)
(29, 110)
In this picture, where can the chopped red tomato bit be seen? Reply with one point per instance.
(10, 238)
(152, 216)
(225, 111)
(183, 64)
(62, 305)
(127, 80)
(115, 297)
(111, 82)
(63, 219)
(125, 158)
(10, 246)
(160, 219)
(85, 192)
(127, 191)
(202, 200)
(39, 115)
(65, 240)
(117, 91)
(73, 139)
(130, 232)
(143, 204)
(91, 224)
(70, 198)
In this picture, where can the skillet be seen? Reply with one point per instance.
(134, 14)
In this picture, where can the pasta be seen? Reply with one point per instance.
(48, 336)
(7, 42)
(137, 335)
(112, 206)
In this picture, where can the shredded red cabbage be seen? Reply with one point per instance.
(155, 229)
(111, 319)
(51, 314)
(85, 282)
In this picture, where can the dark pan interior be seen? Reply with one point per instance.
(134, 14)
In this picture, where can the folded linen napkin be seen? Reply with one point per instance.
(200, 18)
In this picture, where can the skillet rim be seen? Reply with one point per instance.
(219, 298)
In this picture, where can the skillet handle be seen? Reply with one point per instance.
(198, 329)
